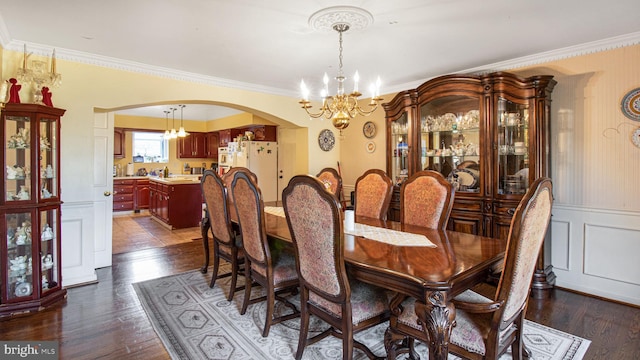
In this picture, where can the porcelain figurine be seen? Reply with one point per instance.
(47, 233)
(45, 194)
(11, 173)
(47, 261)
(49, 172)
(45, 282)
(24, 193)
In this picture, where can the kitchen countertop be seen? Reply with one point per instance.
(171, 180)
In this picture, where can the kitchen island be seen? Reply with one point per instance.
(176, 202)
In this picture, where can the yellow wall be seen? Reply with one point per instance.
(591, 148)
(88, 88)
(594, 163)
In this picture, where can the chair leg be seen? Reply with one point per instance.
(247, 286)
(216, 265)
(205, 225)
(304, 325)
(269, 318)
(234, 276)
(517, 345)
(347, 343)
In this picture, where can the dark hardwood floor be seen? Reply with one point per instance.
(105, 320)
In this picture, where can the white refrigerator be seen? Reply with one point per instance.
(261, 157)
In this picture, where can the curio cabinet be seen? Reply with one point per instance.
(488, 135)
(30, 268)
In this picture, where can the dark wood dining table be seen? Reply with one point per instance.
(432, 275)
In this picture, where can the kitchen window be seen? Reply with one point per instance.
(150, 147)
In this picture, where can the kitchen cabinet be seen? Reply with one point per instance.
(141, 195)
(30, 223)
(177, 204)
(192, 146)
(199, 146)
(130, 194)
(488, 135)
(213, 142)
(118, 143)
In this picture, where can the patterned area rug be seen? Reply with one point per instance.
(196, 322)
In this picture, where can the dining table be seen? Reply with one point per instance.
(431, 265)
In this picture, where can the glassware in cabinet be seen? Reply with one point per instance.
(48, 159)
(450, 139)
(512, 147)
(49, 252)
(17, 156)
(19, 256)
(399, 139)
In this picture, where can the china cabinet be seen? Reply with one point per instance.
(30, 270)
(488, 135)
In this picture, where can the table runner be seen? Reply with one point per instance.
(393, 237)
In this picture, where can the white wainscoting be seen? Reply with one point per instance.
(78, 265)
(597, 252)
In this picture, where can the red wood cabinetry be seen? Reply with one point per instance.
(177, 205)
(30, 215)
(118, 143)
(213, 142)
(130, 194)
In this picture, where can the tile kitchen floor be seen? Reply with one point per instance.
(132, 232)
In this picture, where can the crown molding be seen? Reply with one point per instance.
(136, 67)
(125, 65)
(540, 58)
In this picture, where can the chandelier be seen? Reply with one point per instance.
(341, 107)
(39, 75)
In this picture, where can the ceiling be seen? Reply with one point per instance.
(269, 45)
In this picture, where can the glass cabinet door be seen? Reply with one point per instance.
(48, 249)
(17, 130)
(48, 159)
(513, 147)
(19, 262)
(450, 140)
(399, 149)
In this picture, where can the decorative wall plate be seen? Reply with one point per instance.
(369, 129)
(631, 105)
(371, 146)
(326, 140)
(635, 137)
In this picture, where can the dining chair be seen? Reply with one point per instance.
(373, 194)
(332, 181)
(426, 199)
(486, 328)
(348, 306)
(228, 179)
(274, 270)
(227, 243)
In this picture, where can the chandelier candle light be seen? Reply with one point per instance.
(341, 107)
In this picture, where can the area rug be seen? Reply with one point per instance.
(197, 322)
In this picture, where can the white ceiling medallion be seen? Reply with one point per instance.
(326, 19)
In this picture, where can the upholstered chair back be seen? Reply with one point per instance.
(426, 199)
(250, 210)
(526, 235)
(228, 179)
(332, 180)
(215, 196)
(314, 219)
(373, 194)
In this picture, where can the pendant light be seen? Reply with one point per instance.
(167, 134)
(181, 132)
(173, 125)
